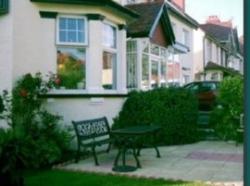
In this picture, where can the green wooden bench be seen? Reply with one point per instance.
(90, 134)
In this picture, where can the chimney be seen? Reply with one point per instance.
(214, 19)
(180, 4)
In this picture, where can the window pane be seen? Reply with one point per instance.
(131, 70)
(63, 36)
(145, 71)
(108, 71)
(185, 37)
(109, 36)
(72, 24)
(155, 50)
(163, 73)
(63, 23)
(80, 37)
(71, 36)
(71, 30)
(154, 74)
(71, 67)
(80, 24)
(131, 64)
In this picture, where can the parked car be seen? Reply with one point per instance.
(206, 92)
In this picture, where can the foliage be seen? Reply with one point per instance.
(225, 118)
(66, 178)
(70, 73)
(174, 109)
(34, 133)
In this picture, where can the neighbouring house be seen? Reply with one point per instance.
(209, 58)
(179, 54)
(83, 41)
(181, 57)
(221, 50)
(149, 38)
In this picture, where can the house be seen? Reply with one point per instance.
(179, 54)
(83, 41)
(182, 54)
(221, 50)
(147, 47)
(209, 57)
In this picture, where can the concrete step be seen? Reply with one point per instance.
(207, 134)
(203, 118)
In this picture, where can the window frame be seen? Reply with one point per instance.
(185, 40)
(86, 30)
(113, 51)
(74, 45)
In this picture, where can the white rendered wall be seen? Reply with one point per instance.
(85, 108)
(198, 52)
(186, 60)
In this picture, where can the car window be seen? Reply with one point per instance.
(193, 87)
(207, 86)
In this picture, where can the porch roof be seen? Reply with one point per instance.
(213, 66)
(102, 3)
(151, 14)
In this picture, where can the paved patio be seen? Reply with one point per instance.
(210, 161)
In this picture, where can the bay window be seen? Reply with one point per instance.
(154, 66)
(131, 64)
(154, 74)
(71, 51)
(109, 66)
(145, 71)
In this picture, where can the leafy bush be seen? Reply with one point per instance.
(34, 132)
(174, 109)
(225, 119)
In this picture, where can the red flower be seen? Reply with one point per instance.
(23, 93)
(57, 81)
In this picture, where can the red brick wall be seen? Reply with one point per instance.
(159, 36)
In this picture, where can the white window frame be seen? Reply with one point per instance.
(158, 58)
(113, 51)
(73, 45)
(185, 41)
(86, 30)
(174, 27)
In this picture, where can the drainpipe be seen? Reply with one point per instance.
(204, 58)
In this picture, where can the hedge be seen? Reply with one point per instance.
(174, 109)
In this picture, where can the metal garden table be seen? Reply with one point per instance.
(128, 138)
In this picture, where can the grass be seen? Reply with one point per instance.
(66, 178)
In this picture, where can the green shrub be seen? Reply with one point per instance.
(174, 109)
(40, 140)
(226, 118)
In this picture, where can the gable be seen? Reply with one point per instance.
(153, 23)
(159, 36)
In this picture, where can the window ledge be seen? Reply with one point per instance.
(83, 94)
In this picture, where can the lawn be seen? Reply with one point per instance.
(65, 178)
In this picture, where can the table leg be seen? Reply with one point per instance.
(117, 157)
(136, 158)
(124, 156)
(156, 149)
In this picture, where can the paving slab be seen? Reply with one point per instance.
(215, 162)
